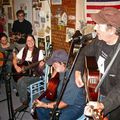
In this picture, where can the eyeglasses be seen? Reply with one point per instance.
(20, 15)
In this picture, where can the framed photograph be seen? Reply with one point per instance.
(41, 43)
(6, 2)
(69, 33)
(56, 2)
(0, 2)
(9, 28)
(47, 39)
(10, 13)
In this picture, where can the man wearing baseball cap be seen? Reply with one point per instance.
(103, 48)
(73, 101)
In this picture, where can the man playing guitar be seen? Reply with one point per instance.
(103, 48)
(72, 104)
(21, 28)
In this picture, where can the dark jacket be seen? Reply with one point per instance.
(23, 28)
(111, 85)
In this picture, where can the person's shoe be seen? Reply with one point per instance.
(21, 108)
(17, 94)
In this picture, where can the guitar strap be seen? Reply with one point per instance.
(24, 54)
(35, 56)
(108, 68)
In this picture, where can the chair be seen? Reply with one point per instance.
(37, 88)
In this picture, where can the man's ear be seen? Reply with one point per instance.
(112, 30)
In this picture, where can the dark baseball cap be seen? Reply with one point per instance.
(59, 55)
(107, 15)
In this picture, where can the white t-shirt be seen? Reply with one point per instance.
(29, 55)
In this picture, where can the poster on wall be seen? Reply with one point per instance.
(69, 33)
(9, 28)
(41, 43)
(56, 2)
(0, 2)
(10, 13)
(5, 2)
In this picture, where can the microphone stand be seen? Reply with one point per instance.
(8, 89)
(55, 111)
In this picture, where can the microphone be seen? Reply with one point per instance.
(87, 37)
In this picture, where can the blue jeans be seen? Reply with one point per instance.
(69, 113)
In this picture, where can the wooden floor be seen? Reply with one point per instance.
(4, 114)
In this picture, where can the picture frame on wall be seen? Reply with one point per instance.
(48, 39)
(10, 13)
(0, 2)
(41, 43)
(6, 2)
(56, 2)
(9, 28)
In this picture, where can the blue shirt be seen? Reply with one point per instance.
(72, 94)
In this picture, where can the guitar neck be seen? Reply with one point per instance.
(17, 36)
(31, 66)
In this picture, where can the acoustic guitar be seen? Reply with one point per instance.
(91, 78)
(2, 56)
(50, 93)
(27, 70)
(16, 37)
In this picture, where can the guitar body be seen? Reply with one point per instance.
(51, 91)
(49, 94)
(17, 37)
(2, 56)
(17, 75)
(92, 77)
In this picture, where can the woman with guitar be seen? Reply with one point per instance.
(6, 49)
(104, 47)
(72, 104)
(28, 65)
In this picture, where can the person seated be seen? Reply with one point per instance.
(73, 100)
(21, 28)
(32, 57)
(6, 56)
